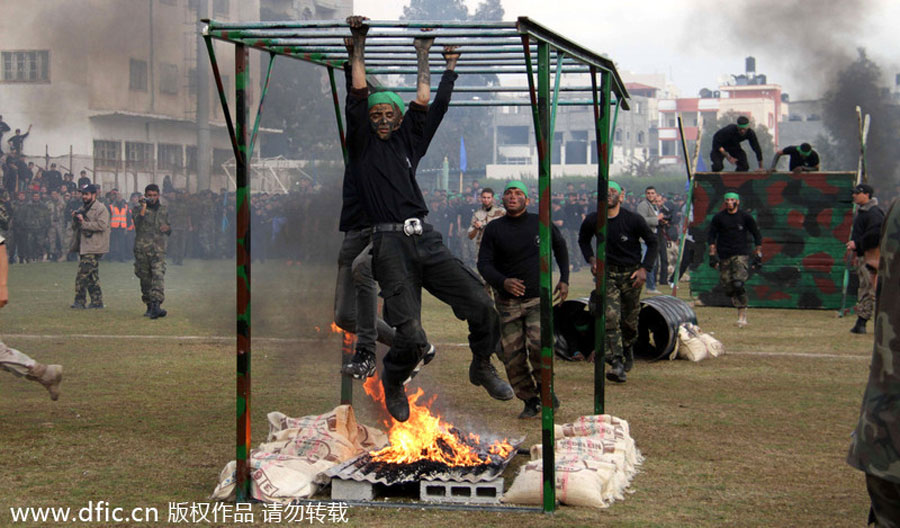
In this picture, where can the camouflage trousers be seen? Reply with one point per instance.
(57, 240)
(11, 360)
(623, 305)
(732, 271)
(865, 294)
(87, 280)
(150, 268)
(520, 343)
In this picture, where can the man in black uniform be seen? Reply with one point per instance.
(625, 276)
(730, 254)
(509, 260)
(407, 254)
(727, 145)
(803, 158)
(864, 236)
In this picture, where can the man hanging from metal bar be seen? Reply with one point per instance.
(625, 275)
(385, 147)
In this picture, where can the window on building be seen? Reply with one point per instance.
(813, 117)
(668, 148)
(190, 153)
(593, 151)
(220, 156)
(138, 156)
(168, 79)
(169, 157)
(107, 154)
(220, 7)
(618, 136)
(576, 152)
(512, 135)
(137, 75)
(26, 66)
(637, 108)
(640, 138)
(579, 135)
(192, 81)
(672, 122)
(556, 148)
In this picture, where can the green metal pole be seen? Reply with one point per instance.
(612, 130)
(347, 339)
(687, 211)
(262, 98)
(546, 282)
(601, 123)
(241, 67)
(556, 82)
(220, 87)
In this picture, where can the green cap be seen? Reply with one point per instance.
(516, 184)
(387, 97)
(733, 195)
(616, 186)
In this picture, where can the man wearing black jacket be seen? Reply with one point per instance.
(730, 254)
(863, 236)
(727, 145)
(625, 276)
(509, 261)
(385, 147)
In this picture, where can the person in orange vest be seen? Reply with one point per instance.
(118, 226)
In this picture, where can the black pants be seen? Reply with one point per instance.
(403, 265)
(717, 159)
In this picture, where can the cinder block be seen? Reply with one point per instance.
(486, 492)
(351, 490)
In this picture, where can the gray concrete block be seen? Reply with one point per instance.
(351, 490)
(487, 492)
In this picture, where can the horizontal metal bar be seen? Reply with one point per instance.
(338, 41)
(503, 102)
(494, 89)
(436, 51)
(292, 24)
(461, 70)
(371, 36)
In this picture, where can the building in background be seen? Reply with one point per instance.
(111, 87)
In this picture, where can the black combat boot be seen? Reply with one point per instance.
(149, 310)
(395, 400)
(860, 326)
(482, 372)
(156, 312)
(78, 305)
(629, 359)
(361, 365)
(532, 408)
(424, 360)
(617, 373)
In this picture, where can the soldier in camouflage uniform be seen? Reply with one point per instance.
(625, 276)
(483, 216)
(35, 225)
(90, 225)
(57, 232)
(509, 261)
(869, 217)
(151, 227)
(875, 446)
(730, 254)
(5, 214)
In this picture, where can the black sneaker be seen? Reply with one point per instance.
(361, 365)
(532, 408)
(395, 401)
(859, 327)
(78, 305)
(483, 373)
(617, 373)
(425, 359)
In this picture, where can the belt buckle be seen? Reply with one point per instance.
(412, 226)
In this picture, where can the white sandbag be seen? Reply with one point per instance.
(595, 424)
(714, 347)
(690, 345)
(578, 483)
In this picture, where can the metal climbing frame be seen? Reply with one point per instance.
(500, 49)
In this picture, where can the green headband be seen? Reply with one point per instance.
(616, 186)
(516, 184)
(733, 196)
(745, 125)
(387, 97)
(804, 152)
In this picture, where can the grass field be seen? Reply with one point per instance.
(755, 438)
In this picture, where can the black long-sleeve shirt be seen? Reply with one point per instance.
(624, 232)
(798, 160)
(729, 138)
(510, 249)
(729, 233)
(384, 171)
(869, 218)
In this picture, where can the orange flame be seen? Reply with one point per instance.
(425, 436)
(335, 328)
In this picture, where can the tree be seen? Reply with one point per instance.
(435, 10)
(766, 141)
(489, 11)
(858, 84)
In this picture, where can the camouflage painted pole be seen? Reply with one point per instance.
(540, 110)
(347, 339)
(687, 211)
(242, 252)
(223, 99)
(262, 97)
(601, 124)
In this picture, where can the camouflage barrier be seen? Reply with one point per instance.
(805, 222)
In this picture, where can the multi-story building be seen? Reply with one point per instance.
(111, 87)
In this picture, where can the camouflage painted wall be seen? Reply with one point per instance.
(805, 222)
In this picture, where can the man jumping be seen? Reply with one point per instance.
(385, 147)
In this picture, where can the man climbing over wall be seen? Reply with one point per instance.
(385, 145)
